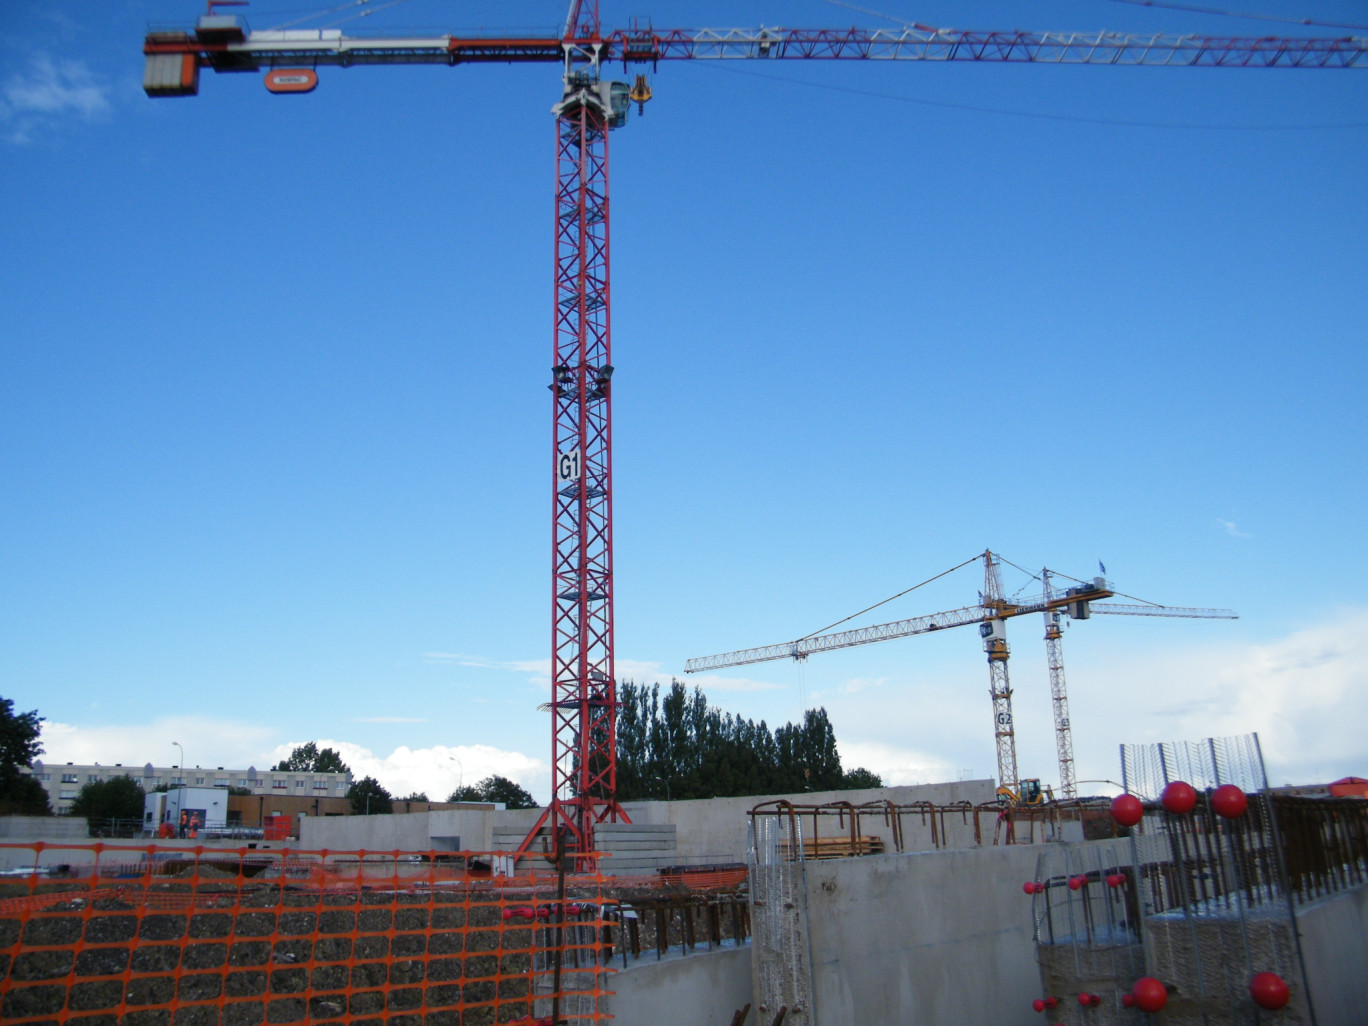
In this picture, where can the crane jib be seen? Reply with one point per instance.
(241, 50)
(805, 647)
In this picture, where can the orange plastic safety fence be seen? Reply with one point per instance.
(233, 937)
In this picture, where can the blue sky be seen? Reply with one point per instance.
(276, 432)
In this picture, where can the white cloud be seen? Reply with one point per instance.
(206, 742)
(539, 670)
(855, 685)
(897, 766)
(1231, 529)
(438, 770)
(47, 90)
(710, 682)
(1305, 694)
(235, 745)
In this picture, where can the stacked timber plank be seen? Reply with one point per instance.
(836, 847)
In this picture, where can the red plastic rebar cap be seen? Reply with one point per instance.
(1127, 810)
(1179, 798)
(1030, 887)
(1038, 1004)
(1229, 801)
(1075, 882)
(1269, 991)
(1128, 1000)
(1150, 994)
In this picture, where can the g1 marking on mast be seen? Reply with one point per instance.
(569, 466)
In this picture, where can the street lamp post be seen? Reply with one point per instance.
(180, 768)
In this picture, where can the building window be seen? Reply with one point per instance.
(69, 778)
(279, 785)
(66, 795)
(299, 785)
(199, 780)
(43, 776)
(220, 781)
(320, 785)
(177, 781)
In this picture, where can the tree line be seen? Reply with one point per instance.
(672, 744)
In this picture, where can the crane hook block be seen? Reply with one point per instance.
(641, 92)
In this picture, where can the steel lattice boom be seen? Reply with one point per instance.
(804, 647)
(1183, 612)
(234, 49)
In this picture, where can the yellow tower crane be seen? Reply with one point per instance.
(992, 612)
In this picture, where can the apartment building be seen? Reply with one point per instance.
(64, 781)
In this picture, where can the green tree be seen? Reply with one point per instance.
(415, 796)
(368, 797)
(20, 793)
(673, 745)
(500, 789)
(102, 801)
(494, 789)
(859, 778)
(309, 758)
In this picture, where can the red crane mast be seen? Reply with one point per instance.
(584, 695)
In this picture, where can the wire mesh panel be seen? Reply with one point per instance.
(780, 959)
(1147, 769)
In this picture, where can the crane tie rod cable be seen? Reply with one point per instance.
(876, 605)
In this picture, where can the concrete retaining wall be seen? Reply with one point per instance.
(43, 828)
(935, 937)
(1334, 934)
(714, 830)
(702, 989)
(708, 831)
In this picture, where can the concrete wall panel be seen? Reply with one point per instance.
(1334, 935)
(702, 989)
(935, 937)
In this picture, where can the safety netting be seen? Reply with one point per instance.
(197, 936)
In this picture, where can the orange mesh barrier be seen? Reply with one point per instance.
(104, 935)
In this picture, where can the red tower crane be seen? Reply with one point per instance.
(583, 699)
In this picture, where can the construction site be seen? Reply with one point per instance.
(1198, 896)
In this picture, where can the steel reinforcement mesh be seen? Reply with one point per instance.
(116, 936)
(1147, 769)
(781, 960)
